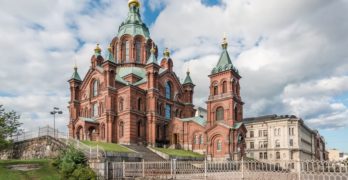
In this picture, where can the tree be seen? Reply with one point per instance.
(9, 125)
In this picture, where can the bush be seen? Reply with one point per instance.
(72, 164)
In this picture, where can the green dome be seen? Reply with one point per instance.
(133, 25)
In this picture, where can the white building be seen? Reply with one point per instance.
(280, 138)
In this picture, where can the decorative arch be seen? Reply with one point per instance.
(215, 88)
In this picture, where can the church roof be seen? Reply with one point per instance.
(124, 71)
(188, 79)
(152, 58)
(224, 62)
(76, 75)
(133, 25)
(91, 120)
(197, 119)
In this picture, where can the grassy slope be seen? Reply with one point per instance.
(46, 172)
(112, 147)
(179, 152)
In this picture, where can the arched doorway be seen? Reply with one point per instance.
(91, 133)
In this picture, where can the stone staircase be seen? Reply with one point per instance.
(147, 154)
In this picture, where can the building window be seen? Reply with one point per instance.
(291, 155)
(261, 155)
(219, 113)
(265, 133)
(195, 139)
(277, 155)
(95, 88)
(120, 105)
(164, 132)
(95, 110)
(277, 143)
(168, 90)
(224, 87)
(168, 111)
(215, 90)
(278, 131)
(291, 142)
(219, 145)
(201, 139)
(251, 145)
(251, 134)
(260, 133)
(252, 155)
(236, 113)
(138, 51)
(291, 131)
(139, 104)
(139, 128)
(265, 155)
(121, 130)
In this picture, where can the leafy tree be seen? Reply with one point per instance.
(9, 125)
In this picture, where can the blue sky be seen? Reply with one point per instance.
(291, 54)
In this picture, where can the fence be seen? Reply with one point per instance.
(234, 170)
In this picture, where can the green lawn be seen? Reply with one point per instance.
(46, 172)
(179, 152)
(112, 147)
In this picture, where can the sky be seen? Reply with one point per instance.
(292, 54)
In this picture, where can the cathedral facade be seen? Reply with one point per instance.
(131, 95)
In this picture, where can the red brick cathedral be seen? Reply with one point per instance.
(132, 96)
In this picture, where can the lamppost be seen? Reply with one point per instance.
(54, 112)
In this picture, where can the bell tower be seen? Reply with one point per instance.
(224, 103)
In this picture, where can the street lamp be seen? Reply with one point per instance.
(54, 112)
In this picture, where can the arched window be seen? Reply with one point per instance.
(120, 105)
(216, 91)
(168, 90)
(177, 113)
(121, 129)
(125, 51)
(139, 104)
(219, 113)
(219, 145)
(195, 139)
(138, 51)
(224, 87)
(95, 88)
(139, 128)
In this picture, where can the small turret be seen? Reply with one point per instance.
(167, 62)
(97, 58)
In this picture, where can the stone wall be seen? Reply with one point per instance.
(37, 148)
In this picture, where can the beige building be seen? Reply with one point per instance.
(281, 138)
(336, 155)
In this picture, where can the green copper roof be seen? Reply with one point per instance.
(152, 59)
(237, 125)
(197, 119)
(76, 75)
(91, 120)
(188, 79)
(224, 62)
(124, 71)
(133, 25)
(110, 56)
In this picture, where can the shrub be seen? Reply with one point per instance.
(72, 164)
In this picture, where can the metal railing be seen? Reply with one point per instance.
(244, 169)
